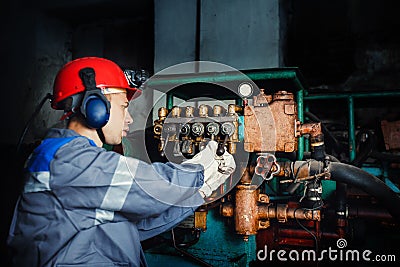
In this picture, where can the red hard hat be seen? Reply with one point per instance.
(107, 74)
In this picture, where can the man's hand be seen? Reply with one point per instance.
(216, 168)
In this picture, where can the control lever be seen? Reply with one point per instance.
(221, 146)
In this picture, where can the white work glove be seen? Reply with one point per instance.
(216, 168)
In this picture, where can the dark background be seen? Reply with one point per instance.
(338, 45)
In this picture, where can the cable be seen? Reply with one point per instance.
(369, 145)
(187, 253)
(28, 124)
(308, 231)
(320, 202)
(305, 228)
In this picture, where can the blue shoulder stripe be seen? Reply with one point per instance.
(44, 153)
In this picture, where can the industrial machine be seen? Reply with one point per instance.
(301, 184)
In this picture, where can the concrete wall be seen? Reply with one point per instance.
(241, 34)
(174, 32)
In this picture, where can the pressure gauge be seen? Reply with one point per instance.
(245, 89)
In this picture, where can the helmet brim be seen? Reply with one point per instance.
(133, 93)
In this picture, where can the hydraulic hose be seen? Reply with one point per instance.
(365, 181)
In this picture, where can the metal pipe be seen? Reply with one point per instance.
(288, 241)
(170, 101)
(368, 212)
(341, 207)
(229, 76)
(352, 135)
(300, 233)
(282, 213)
(354, 95)
(350, 98)
(239, 102)
(300, 115)
(306, 141)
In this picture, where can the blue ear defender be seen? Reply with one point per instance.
(95, 107)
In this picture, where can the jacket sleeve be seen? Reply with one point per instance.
(167, 220)
(109, 182)
(173, 214)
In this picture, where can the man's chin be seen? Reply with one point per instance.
(124, 134)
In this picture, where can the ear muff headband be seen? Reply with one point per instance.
(95, 107)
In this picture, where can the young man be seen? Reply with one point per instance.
(85, 206)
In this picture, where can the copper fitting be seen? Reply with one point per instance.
(189, 112)
(218, 110)
(313, 129)
(231, 147)
(203, 110)
(176, 112)
(232, 109)
(162, 113)
(200, 220)
(158, 129)
(227, 209)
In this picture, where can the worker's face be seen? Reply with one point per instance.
(118, 124)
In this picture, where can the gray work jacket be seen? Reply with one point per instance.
(85, 206)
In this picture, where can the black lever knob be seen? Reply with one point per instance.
(221, 149)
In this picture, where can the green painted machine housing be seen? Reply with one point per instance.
(219, 245)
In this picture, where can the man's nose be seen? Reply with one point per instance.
(128, 118)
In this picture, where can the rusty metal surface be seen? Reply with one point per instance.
(227, 209)
(253, 211)
(270, 125)
(246, 210)
(312, 128)
(391, 134)
(282, 212)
